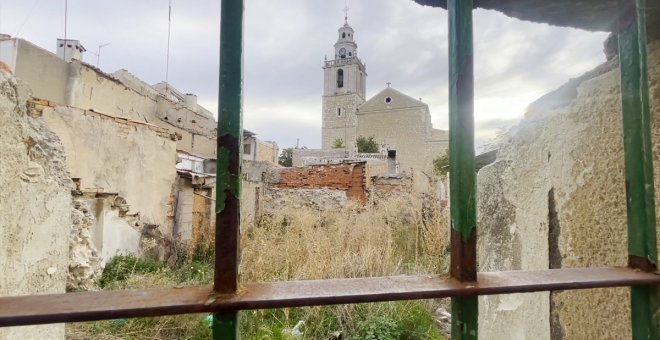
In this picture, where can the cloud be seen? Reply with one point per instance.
(286, 41)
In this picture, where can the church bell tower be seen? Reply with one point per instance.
(345, 83)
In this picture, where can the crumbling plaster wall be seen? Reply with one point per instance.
(35, 208)
(135, 161)
(91, 89)
(555, 198)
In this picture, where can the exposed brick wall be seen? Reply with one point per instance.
(346, 176)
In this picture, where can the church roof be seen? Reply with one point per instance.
(397, 100)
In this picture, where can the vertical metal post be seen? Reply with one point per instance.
(228, 180)
(640, 199)
(461, 171)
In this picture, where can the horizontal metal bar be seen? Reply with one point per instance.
(90, 306)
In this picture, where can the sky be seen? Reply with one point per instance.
(403, 43)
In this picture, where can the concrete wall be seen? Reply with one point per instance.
(35, 208)
(81, 85)
(555, 198)
(267, 152)
(113, 155)
(91, 89)
(184, 209)
(316, 156)
(45, 73)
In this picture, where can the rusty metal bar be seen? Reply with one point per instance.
(638, 150)
(76, 307)
(462, 176)
(228, 180)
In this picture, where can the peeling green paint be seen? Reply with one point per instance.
(464, 312)
(462, 176)
(461, 121)
(225, 326)
(226, 182)
(640, 193)
(637, 140)
(228, 162)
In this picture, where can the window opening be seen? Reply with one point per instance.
(340, 78)
(388, 100)
(339, 111)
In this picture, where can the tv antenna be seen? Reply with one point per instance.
(98, 53)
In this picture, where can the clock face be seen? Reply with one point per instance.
(342, 52)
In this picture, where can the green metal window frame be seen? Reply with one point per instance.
(225, 298)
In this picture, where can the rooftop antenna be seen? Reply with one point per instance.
(98, 53)
(66, 6)
(167, 62)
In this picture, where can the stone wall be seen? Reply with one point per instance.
(555, 198)
(35, 208)
(340, 126)
(383, 186)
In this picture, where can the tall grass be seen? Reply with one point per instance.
(400, 235)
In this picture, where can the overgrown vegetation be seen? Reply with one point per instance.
(286, 157)
(367, 144)
(441, 164)
(390, 238)
(338, 144)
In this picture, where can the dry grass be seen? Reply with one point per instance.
(398, 236)
(389, 238)
(401, 235)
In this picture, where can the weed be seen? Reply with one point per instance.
(121, 267)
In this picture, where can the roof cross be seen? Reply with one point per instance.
(346, 9)
(388, 84)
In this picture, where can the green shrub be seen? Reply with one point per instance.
(377, 328)
(121, 267)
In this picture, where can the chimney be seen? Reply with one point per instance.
(70, 49)
(191, 101)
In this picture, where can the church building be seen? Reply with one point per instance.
(400, 124)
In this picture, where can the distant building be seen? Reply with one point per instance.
(255, 149)
(400, 124)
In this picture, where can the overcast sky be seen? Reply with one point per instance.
(286, 41)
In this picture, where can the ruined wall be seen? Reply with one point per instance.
(35, 208)
(555, 198)
(114, 155)
(91, 89)
(348, 177)
(383, 186)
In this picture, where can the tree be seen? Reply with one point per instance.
(338, 144)
(286, 157)
(441, 164)
(367, 145)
